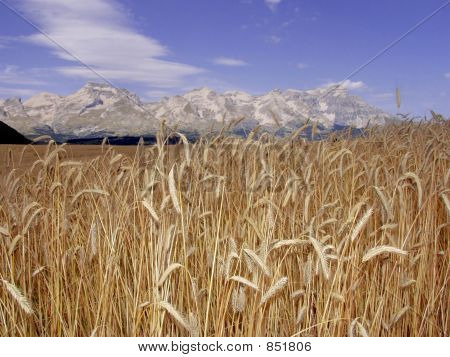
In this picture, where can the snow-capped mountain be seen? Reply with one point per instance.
(277, 109)
(98, 110)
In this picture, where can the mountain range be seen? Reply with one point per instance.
(99, 110)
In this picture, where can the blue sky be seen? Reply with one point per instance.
(157, 48)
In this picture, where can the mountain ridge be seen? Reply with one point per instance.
(98, 109)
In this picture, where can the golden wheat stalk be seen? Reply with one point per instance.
(173, 191)
(398, 98)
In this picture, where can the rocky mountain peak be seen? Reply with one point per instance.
(42, 99)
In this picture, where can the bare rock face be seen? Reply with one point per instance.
(13, 113)
(98, 110)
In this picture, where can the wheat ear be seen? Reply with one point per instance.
(288, 243)
(362, 222)
(23, 302)
(238, 299)
(446, 202)
(175, 314)
(273, 290)
(380, 250)
(398, 315)
(301, 315)
(244, 281)
(151, 210)
(385, 202)
(318, 247)
(167, 272)
(259, 262)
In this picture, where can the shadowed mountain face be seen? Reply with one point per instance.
(9, 135)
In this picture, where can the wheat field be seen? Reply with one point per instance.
(230, 237)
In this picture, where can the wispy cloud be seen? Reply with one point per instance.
(16, 92)
(272, 4)
(157, 94)
(11, 74)
(447, 75)
(231, 62)
(100, 34)
(274, 39)
(4, 40)
(301, 65)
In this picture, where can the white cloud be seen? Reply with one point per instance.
(347, 84)
(287, 23)
(4, 40)
(301, 65)
(100, 34)
(272, 4)
(275, 39)
(227, 61)
(447, 75)
(353, 85)
(14, 75)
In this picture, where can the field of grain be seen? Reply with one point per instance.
(229, 237)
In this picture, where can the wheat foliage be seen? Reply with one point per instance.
(229, 236)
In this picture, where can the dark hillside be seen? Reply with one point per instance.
(9, 135)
